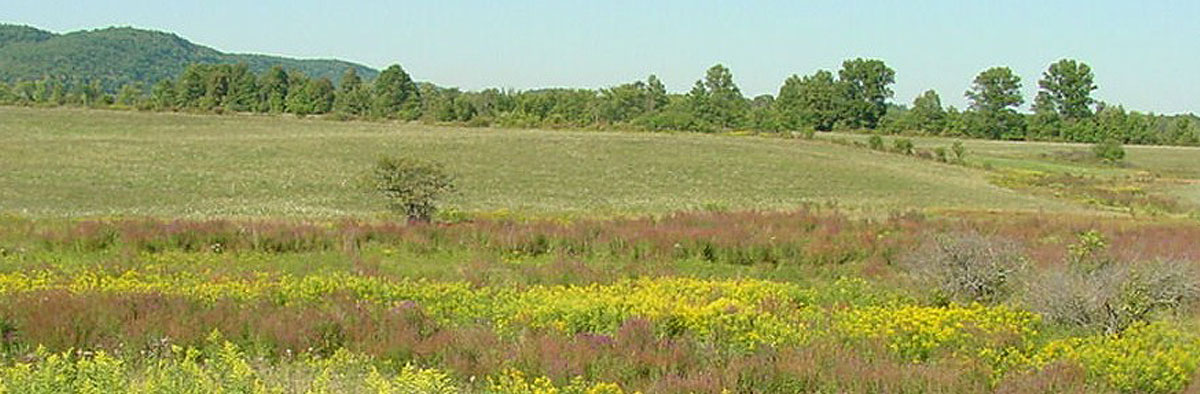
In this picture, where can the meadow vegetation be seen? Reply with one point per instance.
(691, 302)
(176, 253)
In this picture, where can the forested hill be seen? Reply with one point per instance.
(119, 55)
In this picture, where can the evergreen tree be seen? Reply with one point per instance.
(656, 94)
(243, 92)
(191, 86)
(353, 97)
(395, 95)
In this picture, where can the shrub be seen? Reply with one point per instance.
(411, 186)
(940, 153)
(1114, 297)
(875, 142)
(967, 267)
(960, 151)
(903, 145)
(1110, 151)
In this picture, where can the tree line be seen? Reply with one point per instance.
(857, 97)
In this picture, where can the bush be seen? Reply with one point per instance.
(967, 267)
(411, 186)
(960, 151)
(903, 146)
(875, 142)
(940, 153)
(1113, 297)
(1110, 151)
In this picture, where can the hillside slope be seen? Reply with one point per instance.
(120, 55)
(71, 162)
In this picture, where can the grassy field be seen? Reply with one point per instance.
(1172, 162)
(175, 253)
(69, 162)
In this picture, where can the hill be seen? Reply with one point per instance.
(120, 55)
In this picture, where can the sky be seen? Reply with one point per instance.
(1145, 54)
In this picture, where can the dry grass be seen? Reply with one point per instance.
(72, 162)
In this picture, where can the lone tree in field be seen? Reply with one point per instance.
(411, 186)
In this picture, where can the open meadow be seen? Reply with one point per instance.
(173, 253)
(73, 163)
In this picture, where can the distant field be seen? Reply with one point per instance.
(1171, 161)
(71, 162)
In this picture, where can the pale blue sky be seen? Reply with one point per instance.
(1144, 53)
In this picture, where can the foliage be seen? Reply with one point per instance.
(411, 186)
(118, 56)
(1147, 358)
(812, 102)
(395, 95)
(857, 97)
(994, 96)
(917, 333)
(1066, 89)
(695, 302)
(960, 151)
(875, 142)
(903, 146)
(867, 88)
(1110, 151)
(968, 267)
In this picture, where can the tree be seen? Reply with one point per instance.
(866, 84)
(162, 95)
(273, 90)
(994, 95)
(191, 86)
(316, 97)
(656, 94)
(350, 79)
(1066, 89)
(243, 94)
(395, 95)
(622, 103)
(6, 93)
(130, 94)
(763, 115)
(411, 186)
(723, 104)
(352, 97)
(812, 101)
(927, 114)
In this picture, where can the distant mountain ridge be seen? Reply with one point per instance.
(119, 55)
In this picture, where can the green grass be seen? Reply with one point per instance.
(1166, 171)
(72, 162)
(1167, 161)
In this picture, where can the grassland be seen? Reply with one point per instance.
(175, 253)
(70, 163)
